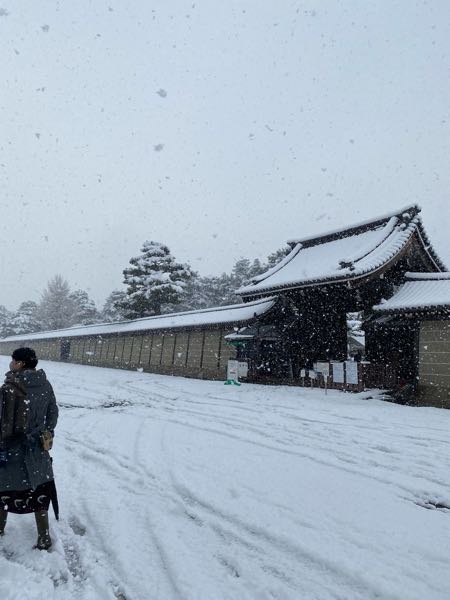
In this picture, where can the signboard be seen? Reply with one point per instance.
(338, 372)
(351, 372)
(302, 372)
(322, 367)
(233, 370)
(242, 369)
(312, 374)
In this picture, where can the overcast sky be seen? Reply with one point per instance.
(219, 128)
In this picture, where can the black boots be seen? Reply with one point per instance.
(44, 541)
(3, 517)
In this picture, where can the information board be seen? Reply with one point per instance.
(242, 369)
(338, 372)
(233, 370)
(351, 372)
(322, 367)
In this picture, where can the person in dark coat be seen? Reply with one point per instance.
(26, 473)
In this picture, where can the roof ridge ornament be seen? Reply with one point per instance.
(347, 264)
(406, 217)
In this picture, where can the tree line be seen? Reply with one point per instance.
(155, 284)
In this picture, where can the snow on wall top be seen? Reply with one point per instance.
(343, 255)
(421, 290)
(235, 313)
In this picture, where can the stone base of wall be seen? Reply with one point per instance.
(433, 396)
(193, 373)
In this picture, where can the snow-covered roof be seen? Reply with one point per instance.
(428, 276)
(235, 313)
(366, 223)
(345, 254)
(420, 291)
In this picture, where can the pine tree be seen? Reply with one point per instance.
(56, 307)
(154, 281)
(219, 291)
(85, 311)
(277, 256)
(204, 292)
(244, 271)
(5, 322)
(112, 310)
(25, 320)
(240, 273)
(256, 268)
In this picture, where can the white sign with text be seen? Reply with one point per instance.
(351, 372)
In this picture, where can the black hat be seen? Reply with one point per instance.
(27, 356)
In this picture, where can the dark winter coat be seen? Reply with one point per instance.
(28, 464)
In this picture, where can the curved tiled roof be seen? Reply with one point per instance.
(345, 255)
(420, 291)
(221, 315)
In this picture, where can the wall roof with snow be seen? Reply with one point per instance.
(222, 315)
(421, 291)
(345, 254)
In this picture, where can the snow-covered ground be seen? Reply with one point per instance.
(181, 489)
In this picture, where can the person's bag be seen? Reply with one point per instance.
(14, 412)
(46, 438)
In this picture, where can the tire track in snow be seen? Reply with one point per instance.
(109, 573)
(327, 448)
(164, 408)
(138, 483)
(266, 544)
(343, 462)
(263, 546)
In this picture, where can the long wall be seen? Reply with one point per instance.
(197, 353)
(434, 363)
